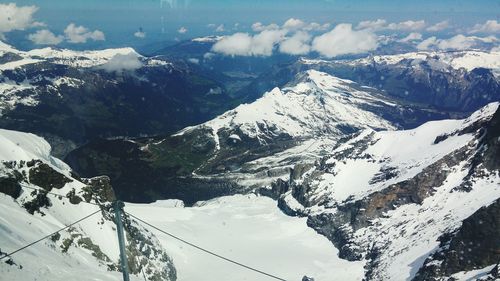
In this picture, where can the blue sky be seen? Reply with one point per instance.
(161, 19)
(195, 12)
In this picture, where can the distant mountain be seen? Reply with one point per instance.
(71, 97)
(236, 73)
(457, 83)
(284, 126)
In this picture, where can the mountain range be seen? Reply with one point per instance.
(378, 168)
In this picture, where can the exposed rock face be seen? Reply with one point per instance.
(44, 176)
(358, 224)
(10, 186)
(491, 157)
(475, 245)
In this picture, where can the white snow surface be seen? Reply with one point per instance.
(43, 261)
(316, 105)
(473, 274)
(250, 230)
(410, 233)
(11, 92)
(459, 59)
(407, 151)
(468, 59)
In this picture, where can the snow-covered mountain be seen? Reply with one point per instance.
(372, 191)
(396, 200)
(252, 144)
(70, 97)
(451, 82)
(316, 104)
(85, 251)
(467, 60)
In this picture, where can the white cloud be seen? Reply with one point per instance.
(182, 30)
(293, 24)
(374, 25)
(457, 42)
(490, 26)
(194, 60)
(258, 26)
(427, 43)
(220, 28)
(45, 37)
(414, 36)
(237, 44)
(298, 44)
(208, 56)
(381, 24)
(80, 34)
(343, 40)
(140, 34)
(243, 44)
(16, 18)
(439, 26)
(122, 62)
(408, 25)
(316, 26)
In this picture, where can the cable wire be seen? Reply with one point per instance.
(45, 237)
(207, 251)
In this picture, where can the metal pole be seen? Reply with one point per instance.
(118, 205)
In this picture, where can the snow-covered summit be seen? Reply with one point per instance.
(316, 103)
(468, 60)
(64, 56)
(457, 59)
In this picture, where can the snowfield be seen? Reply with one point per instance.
(251, 230)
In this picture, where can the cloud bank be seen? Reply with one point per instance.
(293, 38)
(298, 44)
(490, 26)
(457, 42)
(122, 62)
(296, 37)
(439, 26)
(79, 34)
(381, 24)
(243, 44)
(45, 37)
(343, 40)
(16, 18)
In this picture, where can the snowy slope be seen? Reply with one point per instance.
(17, 87)
(248, 229)
(61, 56)
(391, 195)
(316, 105)
(405, 153)
(459, 59)
(91, 246)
